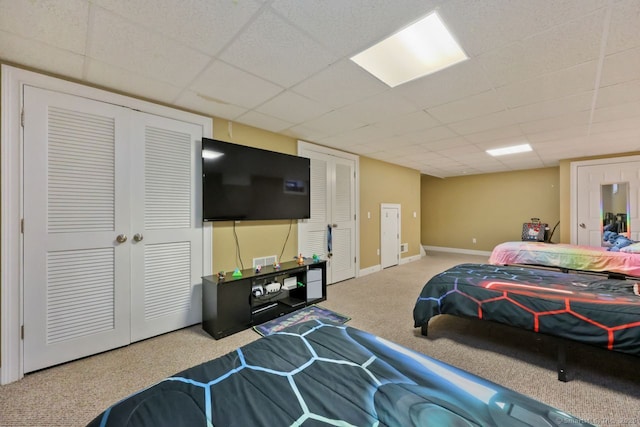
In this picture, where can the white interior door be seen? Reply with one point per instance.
(76, 202)
(343, 220)
(589, 179)
(389, 235)
(166, 231)
(332, 229)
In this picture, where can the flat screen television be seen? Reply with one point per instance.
(246, 183)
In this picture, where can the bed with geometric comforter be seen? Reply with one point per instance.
(588, 308)
(317, 374)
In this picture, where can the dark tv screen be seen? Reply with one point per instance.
(246, 183)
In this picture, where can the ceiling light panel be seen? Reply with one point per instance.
(418, 50)
(522, 148)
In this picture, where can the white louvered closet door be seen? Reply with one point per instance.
(167, 262)
(332, 215)
(76, 201)
(343, 220)
(313, 232)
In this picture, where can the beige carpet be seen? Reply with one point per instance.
(604, 387)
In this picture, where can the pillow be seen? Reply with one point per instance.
(631, 249)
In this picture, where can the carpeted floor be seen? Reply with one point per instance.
(604, 387)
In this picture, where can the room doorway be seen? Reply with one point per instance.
(389, 234)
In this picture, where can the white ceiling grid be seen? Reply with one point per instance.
(562, 75)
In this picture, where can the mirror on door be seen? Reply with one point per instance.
(614, 200)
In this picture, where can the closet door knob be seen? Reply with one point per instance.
(121, 238)
(582, 225)
(138, 237)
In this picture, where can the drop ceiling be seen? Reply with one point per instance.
(561, 75)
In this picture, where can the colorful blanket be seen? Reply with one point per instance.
(566, 256)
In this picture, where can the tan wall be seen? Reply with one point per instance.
(382, 182)
(489, 207)
(255, 238)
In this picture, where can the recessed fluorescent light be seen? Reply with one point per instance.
(510, 150)
(420, 49)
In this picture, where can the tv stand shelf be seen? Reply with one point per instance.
(232, 304)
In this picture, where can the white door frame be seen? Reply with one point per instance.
(11, 261)
(397, 207)
(574, 187)
(303, 145)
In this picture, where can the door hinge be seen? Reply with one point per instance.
(22, 117)
(22, 332)
(22, 225)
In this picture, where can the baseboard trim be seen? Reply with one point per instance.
(410, 259)
(456, 250)
(370, 270)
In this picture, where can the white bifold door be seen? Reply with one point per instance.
(331, 231)
(112, 234)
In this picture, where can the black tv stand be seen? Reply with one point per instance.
(230, 306)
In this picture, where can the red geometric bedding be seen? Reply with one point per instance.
(582, 307)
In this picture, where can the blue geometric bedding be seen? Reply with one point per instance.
(316, 374)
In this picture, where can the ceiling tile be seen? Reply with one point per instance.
(221, 81)
(292, 107)
(379, 107)
(431, 135)
(493, 134)
(346, 27)
(559, 134)
(130, 47)
(262, 121)
(618, 94)
(616, 112)
(561, 47)
(553, 108)
(195, 102)
(463, 79)
(348, 83)
(621, 67)
(62, 24)
(468, 108)
(272, 48)
(483, 123)
(569, 81)
(408, 123)
(37, 55)
(361, 135)
(625, 21)
(445, 144)
(306, 133)
(203, 25)
(480, 28)
(116, 78)
(556, 122)
(334, 123)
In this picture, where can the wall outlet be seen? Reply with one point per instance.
(404, 247)
(474, 241)
(378, 251)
